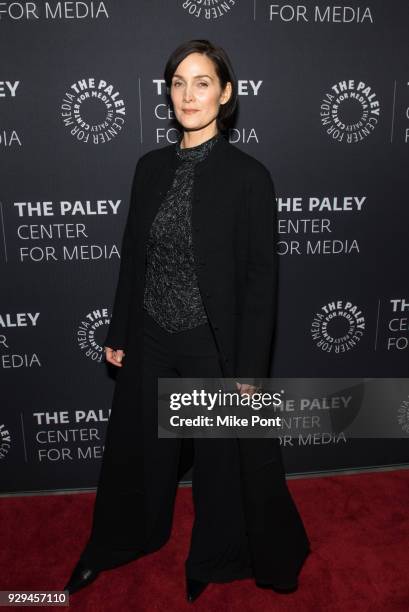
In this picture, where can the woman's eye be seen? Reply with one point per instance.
(177, 83)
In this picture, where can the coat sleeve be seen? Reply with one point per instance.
(257, 323)
(117, 332)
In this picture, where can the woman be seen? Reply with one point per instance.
(195, 298)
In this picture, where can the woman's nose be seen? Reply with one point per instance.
(188, 95)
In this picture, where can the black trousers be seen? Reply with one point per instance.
(133, 511)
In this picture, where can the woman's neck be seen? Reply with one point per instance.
(193, 139)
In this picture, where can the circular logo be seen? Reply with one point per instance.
(5, 441)
(350, 111)
(403, 415)
(93, 111)
(92, 332)
(338, 327)
(214, 10)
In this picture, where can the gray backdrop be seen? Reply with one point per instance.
(323, 103)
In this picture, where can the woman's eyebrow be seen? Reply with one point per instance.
(198, 76)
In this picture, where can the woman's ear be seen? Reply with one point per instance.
(225, 97)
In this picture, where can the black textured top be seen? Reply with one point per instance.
(172, 295)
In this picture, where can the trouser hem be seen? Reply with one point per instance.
(288, 581)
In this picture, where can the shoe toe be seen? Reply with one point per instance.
(194, 588)
(80, 577)
(279, 588)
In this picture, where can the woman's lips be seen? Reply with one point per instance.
(190, 111)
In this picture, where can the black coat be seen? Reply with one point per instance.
(233, 224)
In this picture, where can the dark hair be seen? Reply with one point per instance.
(223, 70)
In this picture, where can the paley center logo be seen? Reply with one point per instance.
(5, 441)
(403, 414)
(350, 111)
(338, 327)
(93, 111)
(91, 332)
(208, 9)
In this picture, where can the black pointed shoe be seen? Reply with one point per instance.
(280, 588)
(194, 588)
(81, 577)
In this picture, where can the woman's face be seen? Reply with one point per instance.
(196, 87)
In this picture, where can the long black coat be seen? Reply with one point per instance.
(233, 225)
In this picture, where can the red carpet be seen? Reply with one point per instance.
(358, 526)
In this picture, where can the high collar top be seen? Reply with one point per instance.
(172, 296)
(197, 153)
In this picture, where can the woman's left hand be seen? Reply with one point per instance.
(245, 388)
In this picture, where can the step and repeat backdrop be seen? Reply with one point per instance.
(323, 103)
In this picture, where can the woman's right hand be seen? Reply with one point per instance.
(114, 357)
